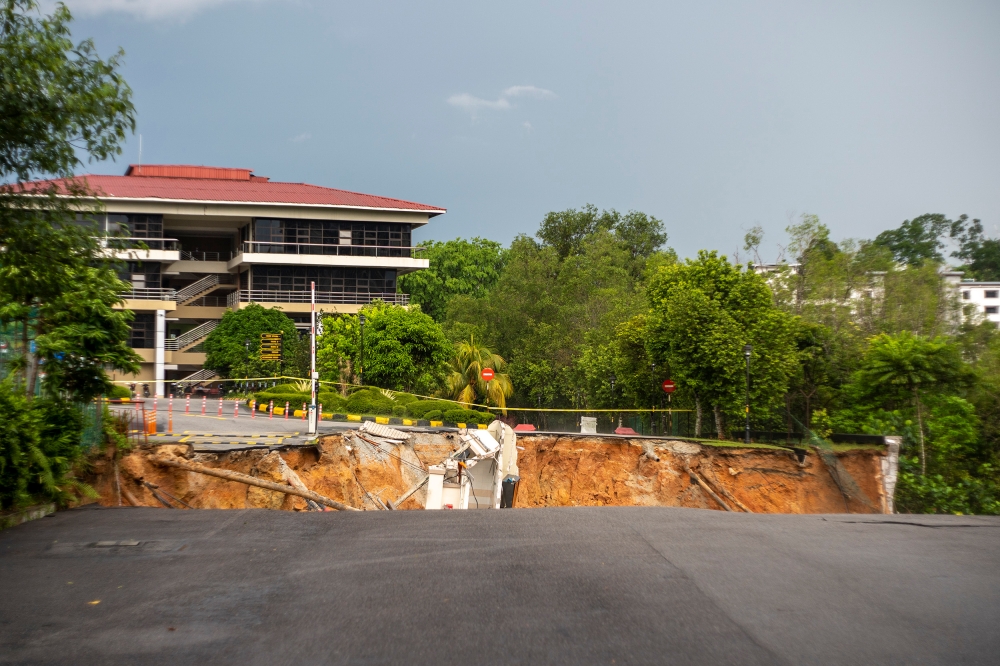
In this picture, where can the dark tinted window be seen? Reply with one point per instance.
(143, 332)
(346, 280)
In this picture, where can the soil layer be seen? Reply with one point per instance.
(556, 470)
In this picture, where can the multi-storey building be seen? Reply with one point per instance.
(213, 239)
(984, 297)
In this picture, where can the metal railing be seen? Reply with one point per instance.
(322, 297)
(150, 294)
(209, 302)
(131, 243)
(258, 247)
(199, 287)
(197, 255)
(189, 338)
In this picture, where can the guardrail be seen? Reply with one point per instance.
(171, 244)
(151, 294)
(258, 247)
(197, 255)
(188, 338)
(322, 297)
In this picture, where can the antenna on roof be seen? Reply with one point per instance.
(140, 150)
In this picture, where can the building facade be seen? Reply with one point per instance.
(982, 298)
(217, 239)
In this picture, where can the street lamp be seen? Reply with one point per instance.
(612, 379)
(746, 353)
(652, 385)
(361, 372)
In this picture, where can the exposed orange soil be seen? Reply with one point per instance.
(556, 470)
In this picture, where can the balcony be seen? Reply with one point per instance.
(151, 294)
(144, 249)
(304, 298)
(316, 254)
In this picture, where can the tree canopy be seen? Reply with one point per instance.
(467, 267)
(233, 348)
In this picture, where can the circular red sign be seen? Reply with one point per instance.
(669, 386)
(487, 374)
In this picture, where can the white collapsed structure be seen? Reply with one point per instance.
(481, 473)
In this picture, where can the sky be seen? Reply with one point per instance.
(711, 116)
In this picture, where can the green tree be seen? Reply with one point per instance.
(57, 286)
(703, 312)
(233, 348)
(910, 365)
(469, 267)
(465, 382)
(918, 240)
(980, 254)
(58, 99)
(404, 349)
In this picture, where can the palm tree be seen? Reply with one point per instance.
(911, 363)
(465, 382)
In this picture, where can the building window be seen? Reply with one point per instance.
(329, 280)
(136, 225)
(326, 233)
(992, 309)
(990, 293)
(966, 295)
(143, 332)
(142, 275)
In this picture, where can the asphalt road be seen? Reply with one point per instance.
(572, 586)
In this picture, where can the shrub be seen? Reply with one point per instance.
(418, 408)
(118, 392)
(404, 398)
(399, 410)
(433, 415)
(467, 416)
(293, 399)
(331, 401)
(284, 389)
(369, 401)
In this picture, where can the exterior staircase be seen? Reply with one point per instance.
(198, 377)
(192, 337)
(196, 290)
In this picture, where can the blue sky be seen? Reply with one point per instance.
(712, 116)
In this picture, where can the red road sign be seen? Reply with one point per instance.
(487, 374)
(669, 386)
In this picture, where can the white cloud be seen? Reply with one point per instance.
(528, 91)
(305, 136)
(143, 9)
(472, 104)
(527, 125)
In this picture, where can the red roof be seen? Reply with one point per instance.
(226, 185)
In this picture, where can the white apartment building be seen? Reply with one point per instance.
(984, 297)
(218, 239)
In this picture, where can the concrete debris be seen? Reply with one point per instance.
(380, 430)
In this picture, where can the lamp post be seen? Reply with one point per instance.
(361, 372)
(612, 379)
(746, 353)
(652, 385)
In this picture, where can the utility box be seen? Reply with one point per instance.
(588, 424)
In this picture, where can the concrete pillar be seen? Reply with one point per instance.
(161, 338)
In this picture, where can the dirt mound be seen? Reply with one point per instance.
(556, 470)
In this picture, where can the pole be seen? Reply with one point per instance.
(236, 409)
(220, 406)
(746, 352)
(286, 410)
(361, 373)
(253, 408)
(313, 375)
(170, 414)
(187, 404)
(204, 404)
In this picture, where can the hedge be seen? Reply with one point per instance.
(467, 416)
(369, 401)
(418, 408)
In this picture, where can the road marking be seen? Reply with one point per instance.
(184, 439)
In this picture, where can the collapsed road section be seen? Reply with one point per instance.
(376, 467)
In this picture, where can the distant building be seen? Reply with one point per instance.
(221, 238)
(984, 297)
